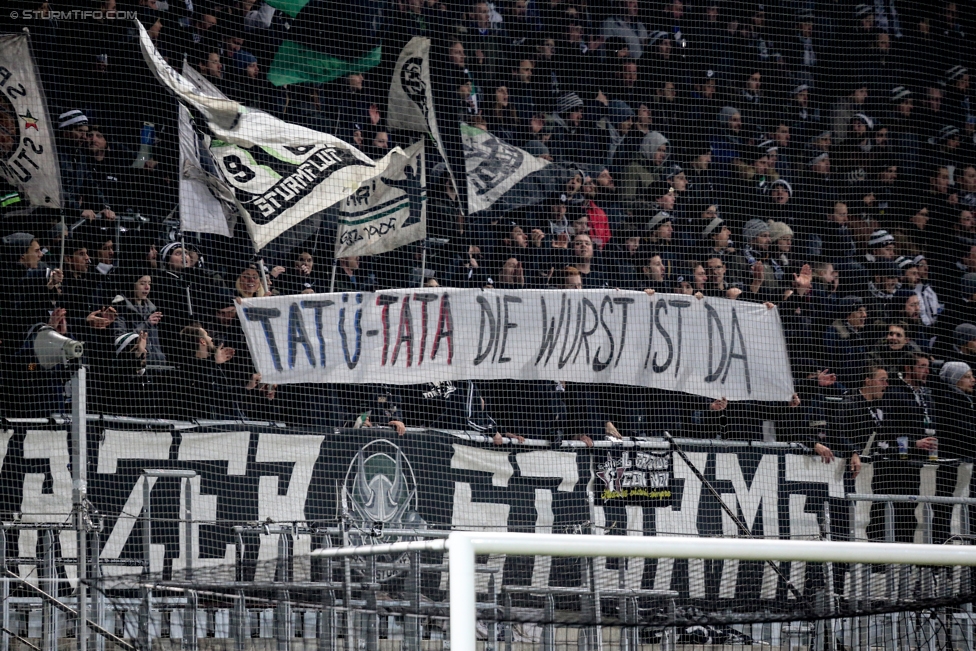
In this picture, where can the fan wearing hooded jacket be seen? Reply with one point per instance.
(727, 141)
(650, 166)
(955, 410)
(180, 287)
(136, 313)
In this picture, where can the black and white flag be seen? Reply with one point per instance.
(411, 102)
(388, 211)
(280, 185)
(207, 203)
(28, 159)
(281, 173)
(502, 177)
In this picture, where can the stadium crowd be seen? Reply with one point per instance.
(814, 155)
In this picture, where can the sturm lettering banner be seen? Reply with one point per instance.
(710, 347)
(280, 173)
(27, 157)
(425, 479)
(278, 187)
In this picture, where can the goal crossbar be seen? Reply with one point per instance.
(464, 545)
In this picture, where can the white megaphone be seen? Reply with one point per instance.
(52, 348)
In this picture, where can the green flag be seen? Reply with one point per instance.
(327, 39)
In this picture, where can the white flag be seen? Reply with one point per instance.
(214, 105)
(411, 103)
(207, 205)
(281, 173)
(387, 212)
(28, 159)
(493, 167)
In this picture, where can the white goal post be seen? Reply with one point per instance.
(464, 545)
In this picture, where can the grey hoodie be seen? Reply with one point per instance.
(650, 144)
(135, 318)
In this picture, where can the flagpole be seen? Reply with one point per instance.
(186, 258)
(264, 277)
(423, 263)
(64, 236)
(118, 238)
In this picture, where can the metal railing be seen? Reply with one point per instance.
(345, 605)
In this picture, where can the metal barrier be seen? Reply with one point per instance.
(344, 605)
(941, 626)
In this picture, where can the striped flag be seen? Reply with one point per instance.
(388, 211)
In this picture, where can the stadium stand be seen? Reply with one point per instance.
(814, 157)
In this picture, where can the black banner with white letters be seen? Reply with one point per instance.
(635, 477)
(429, 480)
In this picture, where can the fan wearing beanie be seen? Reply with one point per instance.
(845, 340)
(781, 244)
(716, 236)
(753, 267)
(660, 232)
(73, 134)
(571, 138)
(954, 403)
(73, 158)
(881, 246)
(955, 415)
(957, 311)
(961, 346)
(244, 82)
(954, 374)
(135, 312)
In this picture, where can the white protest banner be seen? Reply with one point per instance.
(28, 159)
(388, 211)
(710, 347)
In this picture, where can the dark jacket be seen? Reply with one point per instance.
(864, 427)
(955, 417)
(135, 318)
(846, 351)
